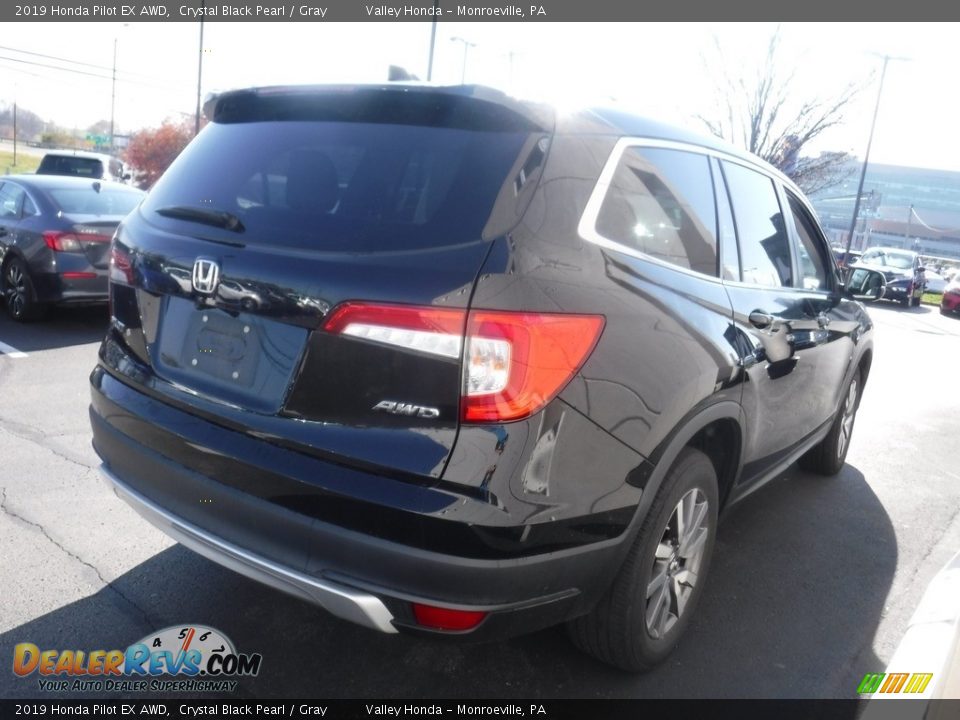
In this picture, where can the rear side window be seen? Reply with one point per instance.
(66, 165)
(764, 245)
(661, 202)
(11, 200)
(344, 186)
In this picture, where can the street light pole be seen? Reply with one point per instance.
(866, 159)
(466, 47)
(433, 40)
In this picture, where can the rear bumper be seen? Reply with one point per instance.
(899, 290)
(221, 493)
(55, 288)
(347, 603)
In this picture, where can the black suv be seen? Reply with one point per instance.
(446, 362)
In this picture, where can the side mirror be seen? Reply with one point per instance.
(865, 285)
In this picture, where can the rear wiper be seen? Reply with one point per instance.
(217, 218)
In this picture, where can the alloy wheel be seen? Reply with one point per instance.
(16, 290)
(677, 562)
(846, 422)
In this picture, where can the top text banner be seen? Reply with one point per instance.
(482, 11)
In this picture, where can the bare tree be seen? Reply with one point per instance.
(762, 114)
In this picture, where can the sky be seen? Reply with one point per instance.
(664, 70)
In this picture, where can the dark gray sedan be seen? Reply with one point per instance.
(55, 240)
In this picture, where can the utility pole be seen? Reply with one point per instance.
(14, 131)
(196, 121)
(113, 91)
(866, 157)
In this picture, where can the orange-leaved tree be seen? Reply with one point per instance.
(151, 150)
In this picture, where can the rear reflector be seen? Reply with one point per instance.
(446, 619)
(513, 362)
(78, 275)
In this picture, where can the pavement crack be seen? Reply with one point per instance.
(107, 584)
(25, 432)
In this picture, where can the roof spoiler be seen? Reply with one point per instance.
(539, 117)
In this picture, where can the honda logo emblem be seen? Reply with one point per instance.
(206, 275)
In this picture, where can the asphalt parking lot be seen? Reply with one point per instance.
(812, 585)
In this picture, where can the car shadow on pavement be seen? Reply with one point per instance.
(801, 572)
(61, 327)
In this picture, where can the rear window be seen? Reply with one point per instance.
(67, 165)
(87, 201)
(343, 186)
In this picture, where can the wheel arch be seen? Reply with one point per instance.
(864, 363)
(717, 431)
(7, 257)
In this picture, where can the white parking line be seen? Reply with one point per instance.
(11, 351)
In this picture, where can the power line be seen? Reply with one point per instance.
(54, 67)
(89, 74)
(73, 62)
(27, 72)
(53, 57)
(923, 224)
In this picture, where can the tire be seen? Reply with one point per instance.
(617, 630)
(18, 292)
(830, 454)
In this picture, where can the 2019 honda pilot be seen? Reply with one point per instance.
(447, 362)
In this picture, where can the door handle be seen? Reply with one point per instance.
(763, 321)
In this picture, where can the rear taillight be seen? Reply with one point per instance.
(435, 331)
(513, 362)
(121, 266)
(62, 241)
(72, 241)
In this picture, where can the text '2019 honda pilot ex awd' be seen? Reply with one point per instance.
(447, 362)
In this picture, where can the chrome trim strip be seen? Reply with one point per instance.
(344, 602)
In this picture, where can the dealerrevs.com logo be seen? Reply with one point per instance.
(201, 658)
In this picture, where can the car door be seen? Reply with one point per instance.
(786, 325)
(828, 344)
(11, 205)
